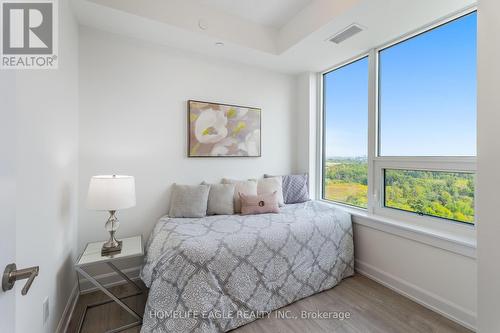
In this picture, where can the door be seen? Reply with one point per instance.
(7, 193)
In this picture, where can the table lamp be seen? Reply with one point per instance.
(111, 193)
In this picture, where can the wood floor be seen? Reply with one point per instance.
(372, 307)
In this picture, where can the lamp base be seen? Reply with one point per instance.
(112, 246)
(105, 250)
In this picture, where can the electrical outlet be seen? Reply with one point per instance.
(45, 310)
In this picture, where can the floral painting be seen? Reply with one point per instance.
(223, 130)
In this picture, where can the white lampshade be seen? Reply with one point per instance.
(111, 192)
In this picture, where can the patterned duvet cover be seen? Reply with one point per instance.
(216, 273)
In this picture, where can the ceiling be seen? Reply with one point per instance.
(283, 35)
(269, 13)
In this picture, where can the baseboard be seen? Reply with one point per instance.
(68, 311)
(108, 279)
(425, 298)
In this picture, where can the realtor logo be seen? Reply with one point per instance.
(29, 34)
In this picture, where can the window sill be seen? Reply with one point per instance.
(463, 244)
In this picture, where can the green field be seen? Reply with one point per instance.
(346, 181)
(448, 195)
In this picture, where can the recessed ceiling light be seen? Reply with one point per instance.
(219, 44)
(202, 24)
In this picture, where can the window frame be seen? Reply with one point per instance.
(376, 162)
(323, 126)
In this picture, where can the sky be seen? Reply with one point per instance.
(427, 104)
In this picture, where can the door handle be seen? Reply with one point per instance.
(11, 274)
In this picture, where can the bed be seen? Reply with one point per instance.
(216, 273)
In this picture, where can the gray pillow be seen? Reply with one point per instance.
(189, 200)
(220, 199)
(295, 188)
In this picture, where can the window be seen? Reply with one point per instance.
(427, 92)
(345, 125)
(413, 154)
(448, 195)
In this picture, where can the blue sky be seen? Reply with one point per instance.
(427, 97)
(346, 110)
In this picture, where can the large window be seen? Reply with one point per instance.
(427, 93)
(345, 173)
(414, 151)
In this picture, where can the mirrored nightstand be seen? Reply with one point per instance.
(132, 247)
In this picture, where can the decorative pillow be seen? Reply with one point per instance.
(295, 188)
(259, 204)
(248, 187)
(220, 199)
(270, 185)
(189, 201)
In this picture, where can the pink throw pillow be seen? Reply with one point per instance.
(259, 204)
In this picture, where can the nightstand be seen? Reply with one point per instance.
(132, 247)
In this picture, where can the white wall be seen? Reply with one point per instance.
(133, 121)
(439, 279)
(305, 140)
(47, 180)
(488, 175)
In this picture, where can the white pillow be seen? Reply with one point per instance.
(270, 185)
(246, 187)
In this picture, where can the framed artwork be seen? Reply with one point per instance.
(223, 130)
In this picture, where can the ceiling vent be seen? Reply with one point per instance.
(346, 33)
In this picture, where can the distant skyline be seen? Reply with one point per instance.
(347, 157)
(427, 97)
